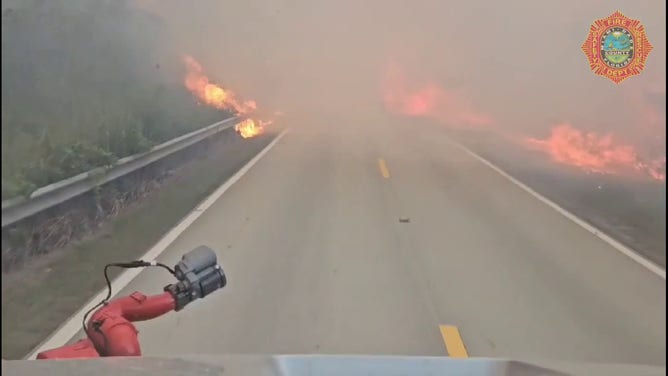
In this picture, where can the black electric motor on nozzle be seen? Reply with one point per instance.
(199, 275)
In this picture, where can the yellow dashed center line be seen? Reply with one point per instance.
(453, 342)
(383, 168)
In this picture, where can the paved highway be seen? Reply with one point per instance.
(318, 260)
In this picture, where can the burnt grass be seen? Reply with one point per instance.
(630, 210)
(52, 263)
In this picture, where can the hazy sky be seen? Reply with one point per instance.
(517, 61)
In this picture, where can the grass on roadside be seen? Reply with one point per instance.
(36, 299)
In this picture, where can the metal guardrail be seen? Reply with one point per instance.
(14, 210)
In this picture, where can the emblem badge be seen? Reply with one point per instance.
(617, 47)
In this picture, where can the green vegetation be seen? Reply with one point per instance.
(83, 84)
(40, 296)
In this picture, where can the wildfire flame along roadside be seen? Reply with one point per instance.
(250, 128)
(567, 145)
(214, 95)
(429, 100)
(596, 153)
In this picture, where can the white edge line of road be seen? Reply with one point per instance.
(596, 232)
(73, 325)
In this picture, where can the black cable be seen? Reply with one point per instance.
(125, 265)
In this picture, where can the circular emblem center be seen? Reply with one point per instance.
(617, 47)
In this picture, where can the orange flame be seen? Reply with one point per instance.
(214, 95)
(428, 100)
(595, 153)
(198, 83)
(249, 128)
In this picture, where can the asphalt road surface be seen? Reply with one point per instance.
(318, 261)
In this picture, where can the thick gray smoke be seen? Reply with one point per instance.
(514, 67)
(85, 82)
(518, 61)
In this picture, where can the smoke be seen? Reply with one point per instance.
(401, 96)
(514, 66)
(518, 61)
